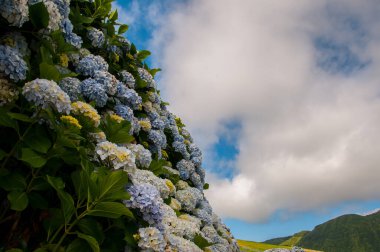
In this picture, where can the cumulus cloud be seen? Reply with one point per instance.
(300, 77)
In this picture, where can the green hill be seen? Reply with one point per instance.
(278, 241)
(346, 233)
(294, 240)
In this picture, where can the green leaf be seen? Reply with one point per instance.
(117, 132)
(84, 186)
(20, 117)
(143, 54)
(19, 200)
(110, 210)
(122, 29)
(67, 205)
(113, 16)
(6, 120)
(201, 242)
(56, 183)
(38, 140)
(206, 186)
(154, 71)
(45, 52)
(78, 245)
(39, 15)
(14, 250)
(39, 184)
(113, 183)
(49, 72)
(41, 250)
(90, 240)
(13, 182)
(32, 158)
(91, 227)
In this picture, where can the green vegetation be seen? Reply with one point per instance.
(278, 241)
(346, 233)
(250, 246)
(294, 240)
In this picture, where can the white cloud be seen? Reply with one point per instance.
(309, 137)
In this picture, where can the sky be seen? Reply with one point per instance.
(283, 98)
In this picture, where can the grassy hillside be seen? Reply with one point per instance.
(294, 240)
(278, 241)
(346, 233)
(250, 246)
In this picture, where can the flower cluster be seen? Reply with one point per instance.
(127, 78)
(143, 156)
(89, 64)
(86, 111)
(147, 77)
(46, 93)
(128, 96)
(116, 155)
(8, 92)
(12, 64)
(150, 239)
(146, 198)
(147, 177)
(96, 37)
(72, 87)
(71, 121)
(16, 12)
(94, 91)
(55, 17)
(16, 41)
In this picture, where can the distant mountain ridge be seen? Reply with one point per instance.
(349, 232)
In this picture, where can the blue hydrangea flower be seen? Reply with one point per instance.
(181, 148)
(136, 127)
(90, 64)
(185, 168)
(72, 87)
(127, 78)
(178, 137)
(158, 124)
(147, 199)
(63, 7)
(96, 37)
(17, 41)
(196, 154)
(108, 81)
(197, 180)
(158, 138)
(143, 156)
(147, 77)
(46, 93)
(94, 91)
(69, 35)
(154, 97)
(128, 96)
(203, 215)
(11, 64)
(124, 111)
(16, 12)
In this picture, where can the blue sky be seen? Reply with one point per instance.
(284, 107)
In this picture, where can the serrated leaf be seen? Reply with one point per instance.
(91, 241)
(49, 72)
(19, 200)
(91, 227)
(20, 117)
(32, 158)
(78, 245)
(111, 210)
(143, 54)
(114, 182)
(39, 15)
(122, 29)
(56, 183)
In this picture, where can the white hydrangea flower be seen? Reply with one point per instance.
(116, 155)
(143, 156)
(151, 239)
(55, 17)
(16, 12)
(47, 93)
(180, 244)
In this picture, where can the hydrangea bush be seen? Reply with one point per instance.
(90, 157)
